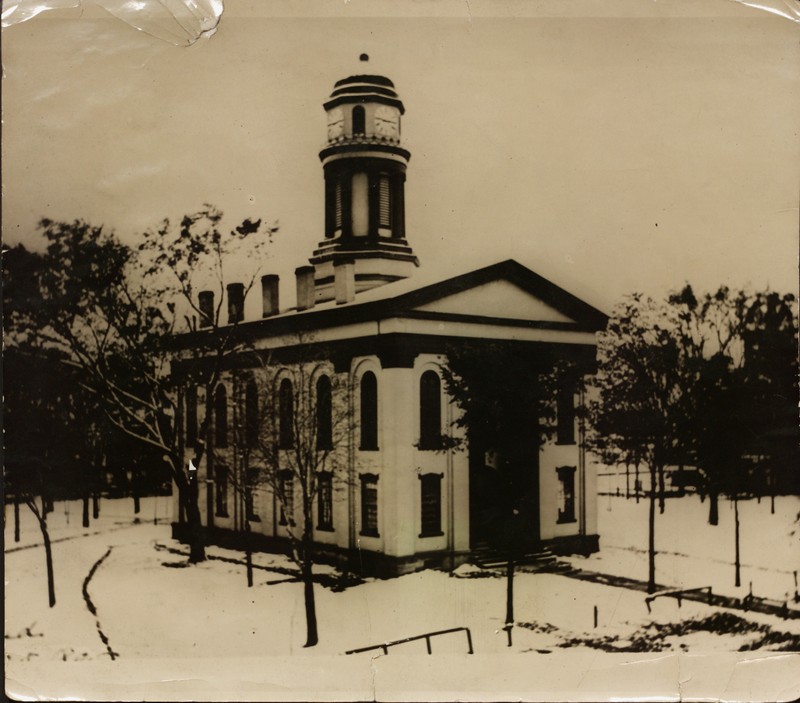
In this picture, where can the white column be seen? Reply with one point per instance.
(398, 479)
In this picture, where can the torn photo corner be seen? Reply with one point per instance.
(178, 22)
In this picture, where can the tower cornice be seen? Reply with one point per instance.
(366, 147)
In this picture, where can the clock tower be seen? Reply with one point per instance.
(364, 165)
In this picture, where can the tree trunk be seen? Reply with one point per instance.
(713, 507)
(189, 494)
(661, 490)
(48, 551)
(651, 540)
(16, 517)
(738, 568)
(197, 549)
(182, 491)
(95, 505)
(636, 483)
(134, 482)
(627, 481)
(312, 636)
(509, 597)
(85, 521)
(48, 555)
(248, 553)
(771, 480)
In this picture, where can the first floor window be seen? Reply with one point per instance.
(369, 505)
(431, 504)
(221, 481)
(325, 501)
(286, 498)
(566, 493)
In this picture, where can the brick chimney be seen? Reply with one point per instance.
(205, 301)
(269, 295)
(305, 287)
(235, 302)
(344, 280)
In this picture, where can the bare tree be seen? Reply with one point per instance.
(638, 396)
(297, 447)
(113, 313)
(742, 391)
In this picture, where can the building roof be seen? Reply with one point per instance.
(420, 291)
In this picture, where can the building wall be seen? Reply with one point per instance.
(552, 458)
(398, 463)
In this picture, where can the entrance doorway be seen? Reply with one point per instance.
(503, 501)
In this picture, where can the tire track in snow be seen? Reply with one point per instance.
(70, 537)
(91, 606)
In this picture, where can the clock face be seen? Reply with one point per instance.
(335, 123)
(387, 122)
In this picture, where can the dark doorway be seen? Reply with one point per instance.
(503, 501)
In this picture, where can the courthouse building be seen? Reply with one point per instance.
(371, 325)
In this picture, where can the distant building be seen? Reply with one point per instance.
(379, 331)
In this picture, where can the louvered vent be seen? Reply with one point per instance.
(384, 203)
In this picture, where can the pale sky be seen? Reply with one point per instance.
(652, 145)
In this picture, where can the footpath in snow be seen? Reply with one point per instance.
(174, 631)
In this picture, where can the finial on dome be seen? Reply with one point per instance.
(363, 57)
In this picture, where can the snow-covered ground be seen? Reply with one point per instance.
(692, 553)
(198, 633)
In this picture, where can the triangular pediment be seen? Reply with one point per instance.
(503, 291)
(496, 299)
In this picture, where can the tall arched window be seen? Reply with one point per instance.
(369, 411)
(324, 414)
(565, 414)
(430, 411)
(191, 416)
(251, 420)
(359, 120)
(285, 414)
(221, 417)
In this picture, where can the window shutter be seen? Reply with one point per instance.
(384, 202)
(337, 215)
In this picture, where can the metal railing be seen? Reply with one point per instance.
(679, 593)
(426, 637)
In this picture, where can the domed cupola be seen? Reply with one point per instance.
(365, 170)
